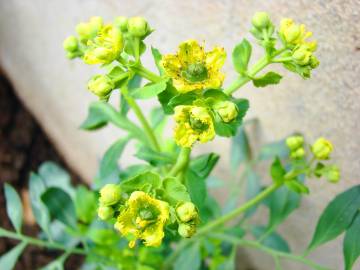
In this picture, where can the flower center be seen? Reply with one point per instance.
(195, 72)
(145, 214)
(197, 124)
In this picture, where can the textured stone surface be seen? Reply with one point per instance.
(31, 33)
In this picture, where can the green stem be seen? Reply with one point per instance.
(250, 203)
(272, 252)
(182, 161)
(145, 124)
(144, 72)
(258, 66)
(40, 243)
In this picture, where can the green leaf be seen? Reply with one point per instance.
(105, 112)
(277, 171)
(9, 259)
(157, 58)
(60, 205)
(204, 164)
(273, 240)
(281, 204)
(269, 78)
(55, 176)
(109, 162)
(182, 99)
(103, 237)
(13, 207)
(189, 258)
(41, 213)
(165, 96)
(351, 244)
(149, 91)
(85, 204)
(209, 209)
(141, 181)
(271, 150)
(240, 149)
(241, 56)
(337, 217)
(175, 192)
(154, 157)
(196, 187)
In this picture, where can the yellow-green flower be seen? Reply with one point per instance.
(187, 229)
(105, 47)
(144, 218)
(295, 34)
(191, 68)
(322, 148)
(187, 211)
(295, 142)
(105, 212)
(192, 124)
(88, 30)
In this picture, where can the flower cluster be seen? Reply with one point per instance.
(321, 150)
(143, 215)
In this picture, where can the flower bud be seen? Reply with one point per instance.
(187, 229)
(314, 62)
(70, 44)
(227, 110)
(322, 148)
(101, 85)
(261, 20)
(137, 26)
(302, 56)
(122, 23)
(289, 30)
(186, 212)
(110, 194)
(333, 174)
(294, 142)
(298, 153)
(105, 212)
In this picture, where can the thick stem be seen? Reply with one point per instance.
(144, 72)
(182, 161)
(145, 124)
(250, 203)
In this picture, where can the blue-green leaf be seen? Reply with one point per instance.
(189, 258)
(241, 55)
(337, 217)
(142, 181)
(85, 204)
(269, 78)
(8, 260)
(60, 205)
(149, 91)
(272, 240)
(271, 150)
(157, 58)
(196, 187)
(13, 207)
(204, 164)
(41, 213)
(351, 245)
(174, 191)
(109, 162)
(240, 149)
(281, 204)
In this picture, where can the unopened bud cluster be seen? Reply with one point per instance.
(110, 195)
(296, 146)
(188, 218)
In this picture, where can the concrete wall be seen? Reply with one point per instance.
(31, 34)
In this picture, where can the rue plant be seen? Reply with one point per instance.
(158, 214)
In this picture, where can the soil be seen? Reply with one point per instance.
(23, 147)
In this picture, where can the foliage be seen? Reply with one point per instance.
(158, 214)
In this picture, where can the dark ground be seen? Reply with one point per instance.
(23, 147)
